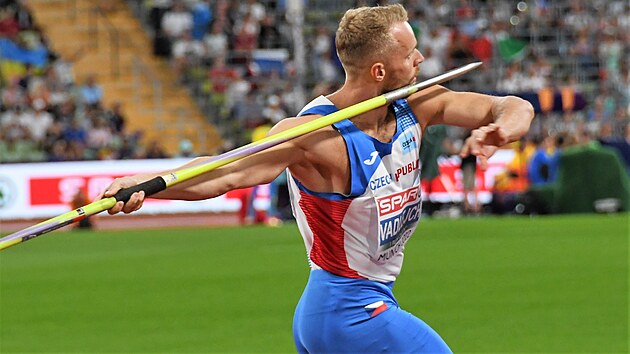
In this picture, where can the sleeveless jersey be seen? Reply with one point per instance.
(363, 234)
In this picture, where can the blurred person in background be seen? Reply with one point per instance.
(79, 200)
(187, 53)
(91, 92)
(510, 184)
(345, 180)
(469, 176)
(542, 167)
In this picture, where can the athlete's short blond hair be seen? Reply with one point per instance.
(363, 34)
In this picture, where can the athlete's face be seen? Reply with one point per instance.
(402, 62)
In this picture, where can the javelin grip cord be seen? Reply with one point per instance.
(149, 187)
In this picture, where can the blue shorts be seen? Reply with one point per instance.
(343, 315)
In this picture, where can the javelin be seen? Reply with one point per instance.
(160, 183)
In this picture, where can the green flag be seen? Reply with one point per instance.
(512, 49)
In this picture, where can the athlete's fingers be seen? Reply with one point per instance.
(134, 203)
(116, 208)
(483, 162)
(465, 151)
(113, 188)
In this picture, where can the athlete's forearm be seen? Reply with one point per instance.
(195, 188)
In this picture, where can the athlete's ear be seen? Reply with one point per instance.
(378, 71)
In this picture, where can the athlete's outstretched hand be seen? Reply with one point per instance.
(483, 142)
(134, 203)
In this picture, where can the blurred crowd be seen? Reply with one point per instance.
(573, 49)
(45, 114)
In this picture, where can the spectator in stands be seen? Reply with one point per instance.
(75, 132)
(432, 65)
(274, 111)
(58, 91)
(13, 122)
(438, 40)
(157, 10)
(38, 91)
(596, 117)
(511, 82)
(220, 76)
(39, 121)
(542, 167)
(129, 148)
(247, 114)
(57, 151)
(619, 122)
(534, 80)
(481, 47)
(577, 19)
(584, 50)
(610, 51)
(12, 95)
(469, 183)
(237, 90)
(269, 36)
(458, 52)
(116, 117)
(26, 77)
(201, 18)
(54, 134)
(187, 53)
(75, 151)
(100, 136)
(65, 112)
(9, 26)
(185, 149)
(321, 55)
(568, 124)
(216, 42)
(511, 183)
(253, 8)
(91, 92)
(155, 150)
(245, 32)
(176, 21)
(63, 68)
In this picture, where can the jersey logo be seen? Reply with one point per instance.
(398, 214)
(376, 308)
(396, 202)
(372, 158)
(408, 143)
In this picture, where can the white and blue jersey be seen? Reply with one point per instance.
(355, 245)
(363, 234)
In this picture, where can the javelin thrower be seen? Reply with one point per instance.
(354, 183)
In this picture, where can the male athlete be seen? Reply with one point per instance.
(355, 186)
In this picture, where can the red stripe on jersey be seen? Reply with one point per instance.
(324, 218)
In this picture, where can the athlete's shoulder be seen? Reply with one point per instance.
(318, 106)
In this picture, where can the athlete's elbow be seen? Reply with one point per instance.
(524, 113)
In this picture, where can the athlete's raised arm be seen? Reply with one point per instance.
(495, 120)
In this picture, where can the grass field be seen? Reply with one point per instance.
(487, 285)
